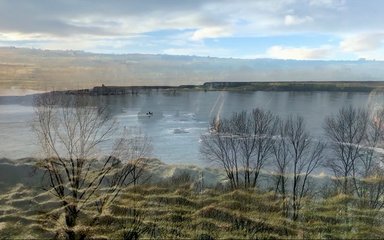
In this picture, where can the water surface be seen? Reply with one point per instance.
(179, 118)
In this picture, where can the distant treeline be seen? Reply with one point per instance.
(297, 86)
(117, 90)
(344, 86)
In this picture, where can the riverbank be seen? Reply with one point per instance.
(177, 209)
(328, 86)
(11, 96)
(23, 171)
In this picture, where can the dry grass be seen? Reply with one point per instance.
(154, 212)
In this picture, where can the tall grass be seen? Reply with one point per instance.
(179, 212)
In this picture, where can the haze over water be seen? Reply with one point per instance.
(179, 118)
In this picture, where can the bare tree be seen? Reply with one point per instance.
(241, 144)
(306, 155)
(70, 130)
(221, 147)
(256, 143)
(368, 172)
(346, 132)
(281, 163)
(135, 147)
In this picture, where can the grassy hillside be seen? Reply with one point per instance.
(174, 204)
(176, 210)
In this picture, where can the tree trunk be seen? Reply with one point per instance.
(70, 221)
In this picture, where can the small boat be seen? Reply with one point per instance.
(149, 115)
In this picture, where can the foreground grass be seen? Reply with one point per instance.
(166, 211)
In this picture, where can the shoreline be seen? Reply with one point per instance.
(295, 86)
(278, 86)
(23, 171)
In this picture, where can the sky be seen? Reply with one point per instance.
(282, 29)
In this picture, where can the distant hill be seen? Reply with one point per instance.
(60, 70)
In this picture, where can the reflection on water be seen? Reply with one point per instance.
(178, 119)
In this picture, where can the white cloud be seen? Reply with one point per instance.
(198, 51)
(17, 36)
(174, 24)
(371, 55)
(296, 20)
(327, 3)
(362, 42)
(302, 53)
(210, 32)
(210, 17)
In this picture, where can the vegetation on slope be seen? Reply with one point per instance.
(174, 209)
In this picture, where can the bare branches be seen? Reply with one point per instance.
(355, 137)
(70, 130)
(241, 145)
(296, 156)
(220, 147)
(346, 132)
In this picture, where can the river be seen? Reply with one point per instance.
(179, 118)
